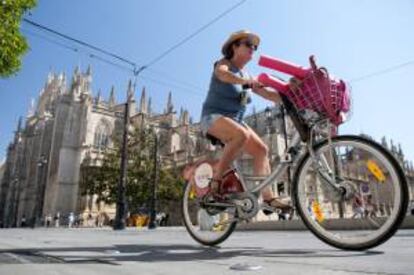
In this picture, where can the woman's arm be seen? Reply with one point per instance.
(222, 72)
(267, 93)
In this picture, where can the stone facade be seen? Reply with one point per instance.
(69, 127)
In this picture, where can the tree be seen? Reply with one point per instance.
(12, 43)
(102, 180)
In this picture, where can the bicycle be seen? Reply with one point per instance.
(331, 171)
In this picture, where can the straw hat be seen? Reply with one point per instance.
(240, 35)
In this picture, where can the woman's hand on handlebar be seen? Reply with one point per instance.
(252, 83)
(265, 92)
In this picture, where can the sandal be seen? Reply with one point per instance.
(277, 203)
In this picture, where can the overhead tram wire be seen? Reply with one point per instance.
(194, 93)
(166, 75)
(50, 40)
(79, 42)
(186, 39)
(383, 71)
(77, 50)
(88, 45)
(132, 69)
(164, 83)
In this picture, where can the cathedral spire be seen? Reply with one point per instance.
(32, 108)
(98, 98)
(186, 118)
(112, 101)
(181, 112)
(62, 83)
(77, 70)
(18, 133)
(393, 148)
(87, 81)
(149, 106)
(130, 91)
(400, 151)
(19, 125)
(75, 88)
(384, 142)
(170, 106)
(89, 70)
(143, 108)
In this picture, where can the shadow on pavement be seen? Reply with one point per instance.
(167, 253)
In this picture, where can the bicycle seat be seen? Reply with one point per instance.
(214, 141)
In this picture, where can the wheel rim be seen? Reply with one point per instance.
(364, 225)
(205, 225)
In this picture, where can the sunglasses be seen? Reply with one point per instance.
(249, 44)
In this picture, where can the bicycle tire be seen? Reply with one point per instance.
(401, 186)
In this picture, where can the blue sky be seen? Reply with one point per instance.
(351, 38)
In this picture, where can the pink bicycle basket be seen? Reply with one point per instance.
(327, 96)
(310, 88)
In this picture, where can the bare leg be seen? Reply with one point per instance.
(261, 165)
(234, 136)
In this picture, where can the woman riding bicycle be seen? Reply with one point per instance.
(329, 169)
(225, 105)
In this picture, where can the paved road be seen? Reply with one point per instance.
(172, 251)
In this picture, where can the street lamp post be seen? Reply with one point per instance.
(9, 218)
(152, 223)
(41, 164)
(120, 217)
(16, 204)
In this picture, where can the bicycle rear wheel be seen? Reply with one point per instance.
(208, 225)
(367, 202)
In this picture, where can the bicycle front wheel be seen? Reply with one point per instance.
(368, 197)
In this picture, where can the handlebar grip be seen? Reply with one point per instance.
(283, 66)
(275, 83)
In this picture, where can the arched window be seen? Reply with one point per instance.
(102, 133)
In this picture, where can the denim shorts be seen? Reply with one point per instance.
(208, 120)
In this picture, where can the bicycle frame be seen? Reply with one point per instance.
(304, 134)
(276, 174)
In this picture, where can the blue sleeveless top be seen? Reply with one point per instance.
(225, 98)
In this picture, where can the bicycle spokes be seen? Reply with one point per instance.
(353, 192)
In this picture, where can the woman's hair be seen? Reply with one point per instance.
(228, 54)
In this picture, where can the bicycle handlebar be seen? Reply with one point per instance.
(283, 66)
(275, 83)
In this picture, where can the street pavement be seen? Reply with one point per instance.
(170, 250)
